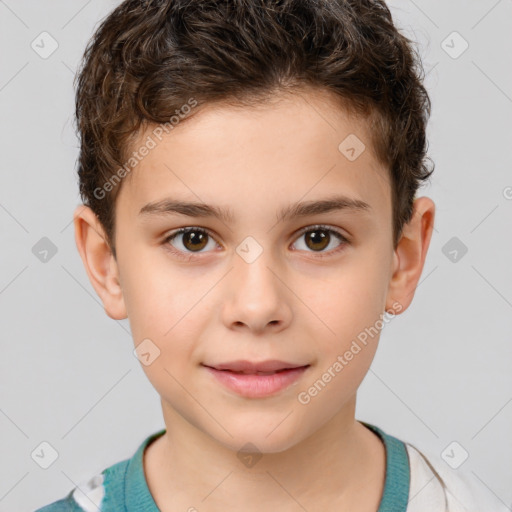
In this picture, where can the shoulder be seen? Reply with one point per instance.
(89, 496)
(67, 504)
(436, 486)
(109, 490)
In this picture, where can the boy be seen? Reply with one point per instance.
(249, 171)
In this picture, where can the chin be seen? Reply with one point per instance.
(263, 440)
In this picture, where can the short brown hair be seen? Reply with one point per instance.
(149, 58)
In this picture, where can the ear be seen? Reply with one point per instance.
(410, 255)
(99, 262)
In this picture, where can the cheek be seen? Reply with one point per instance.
(166, 308)
(160, 311)
(353, 310)
(350, 302)
(156, 296)
(351, 307)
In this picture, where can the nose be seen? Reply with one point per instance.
(256, 297)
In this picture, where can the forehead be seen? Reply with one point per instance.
(295, 146)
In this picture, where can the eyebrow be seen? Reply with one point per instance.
(190, 209)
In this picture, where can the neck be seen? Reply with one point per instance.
(330, 467)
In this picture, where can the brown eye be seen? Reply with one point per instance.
(318, 238)
(193, 240)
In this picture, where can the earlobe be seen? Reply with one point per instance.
(410, 254)
(99, 263)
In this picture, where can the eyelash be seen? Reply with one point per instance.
(180, 254)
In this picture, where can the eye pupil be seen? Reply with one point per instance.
(195, 238)
(317, 237)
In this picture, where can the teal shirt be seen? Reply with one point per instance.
(126, 489)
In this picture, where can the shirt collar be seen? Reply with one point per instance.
(398, 476)
(394, 498)
(137, 495)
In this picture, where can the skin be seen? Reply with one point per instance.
(288, 304)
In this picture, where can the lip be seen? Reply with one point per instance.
(271, 365)
(262, 379)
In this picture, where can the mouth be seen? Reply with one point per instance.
(253, 373)
(268, 367)
(257, 380)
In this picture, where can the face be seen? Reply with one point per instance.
(274, 278)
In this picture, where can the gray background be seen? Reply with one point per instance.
(68, 375)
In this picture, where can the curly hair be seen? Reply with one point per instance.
(147, 59)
